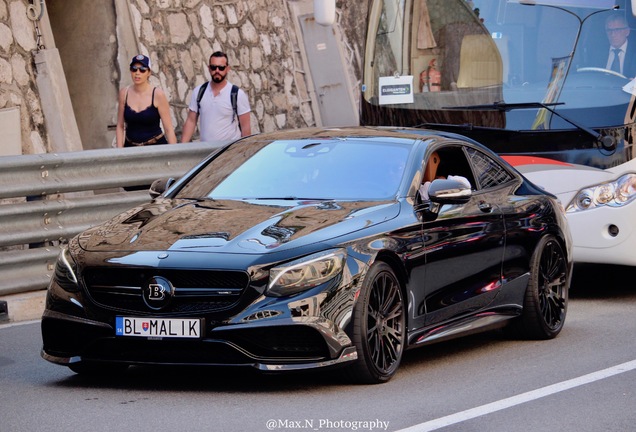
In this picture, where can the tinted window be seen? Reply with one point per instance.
(488, 172)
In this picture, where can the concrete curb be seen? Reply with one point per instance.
(23, 307)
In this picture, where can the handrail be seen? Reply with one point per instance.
(46, 199)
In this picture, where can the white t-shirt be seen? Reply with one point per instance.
(610, 57)
(216, 120)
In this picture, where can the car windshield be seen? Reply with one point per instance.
(305, 169)
(459, 53)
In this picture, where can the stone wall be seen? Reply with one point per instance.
(257, 35)
(262, 46)
(17, 74)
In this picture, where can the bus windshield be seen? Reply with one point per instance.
(505, 64)
(546, 84)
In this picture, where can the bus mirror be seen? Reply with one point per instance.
(325, 11)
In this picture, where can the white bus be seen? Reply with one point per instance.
(536, 82)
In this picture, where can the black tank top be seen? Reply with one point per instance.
(143, 125)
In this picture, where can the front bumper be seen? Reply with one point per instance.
(604, 235)
(272, 334)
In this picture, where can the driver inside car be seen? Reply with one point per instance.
(430, 174)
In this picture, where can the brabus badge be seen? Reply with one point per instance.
(157, 292)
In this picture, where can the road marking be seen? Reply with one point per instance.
(519, 399)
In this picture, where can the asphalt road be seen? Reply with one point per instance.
(584, 380)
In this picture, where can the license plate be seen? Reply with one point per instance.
(158, 327)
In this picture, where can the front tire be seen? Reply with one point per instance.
(379, 328)
(546, 297)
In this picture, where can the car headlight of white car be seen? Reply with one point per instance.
(612, 194)
(305, 273)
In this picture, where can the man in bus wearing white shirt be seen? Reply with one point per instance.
(620, 55)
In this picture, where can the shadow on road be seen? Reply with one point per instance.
(596, 281)
(247, 380)
(590, 282)
(205, 379)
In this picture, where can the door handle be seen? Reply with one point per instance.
(485, 207)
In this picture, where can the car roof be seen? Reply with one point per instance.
(349, 132)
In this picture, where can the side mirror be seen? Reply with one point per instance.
(160, 186)
(325, 12)
(449, 192)
(426, 210)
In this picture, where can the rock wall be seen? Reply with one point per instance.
(259, 37)
(17, 74)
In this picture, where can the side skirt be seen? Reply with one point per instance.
(482, 321)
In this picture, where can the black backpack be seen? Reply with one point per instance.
(233, 98)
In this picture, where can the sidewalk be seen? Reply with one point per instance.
(22, 307)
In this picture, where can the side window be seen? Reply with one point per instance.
(488, 172)
(451, 161)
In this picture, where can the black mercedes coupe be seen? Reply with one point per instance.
(314, 248)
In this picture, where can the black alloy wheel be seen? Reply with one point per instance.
(546, 298)
(379, 327)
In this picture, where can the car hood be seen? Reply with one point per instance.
(233, 226)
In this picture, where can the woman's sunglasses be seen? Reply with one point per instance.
(138, 68)
(215, 67)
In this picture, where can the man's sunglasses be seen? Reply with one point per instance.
(138, 68)
(215, 67)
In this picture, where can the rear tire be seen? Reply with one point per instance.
(546, 298)
(379, 327)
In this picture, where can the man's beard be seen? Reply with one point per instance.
(216, 78)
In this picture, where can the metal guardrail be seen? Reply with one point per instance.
(47, 199)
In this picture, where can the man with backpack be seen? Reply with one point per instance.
(224, 109)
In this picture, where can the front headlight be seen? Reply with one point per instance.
(305, 273)
(613, 194)
(65, 271)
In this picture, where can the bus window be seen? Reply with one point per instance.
(483, 52)
(534, 82)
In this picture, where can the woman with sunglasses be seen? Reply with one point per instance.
(143, 109)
